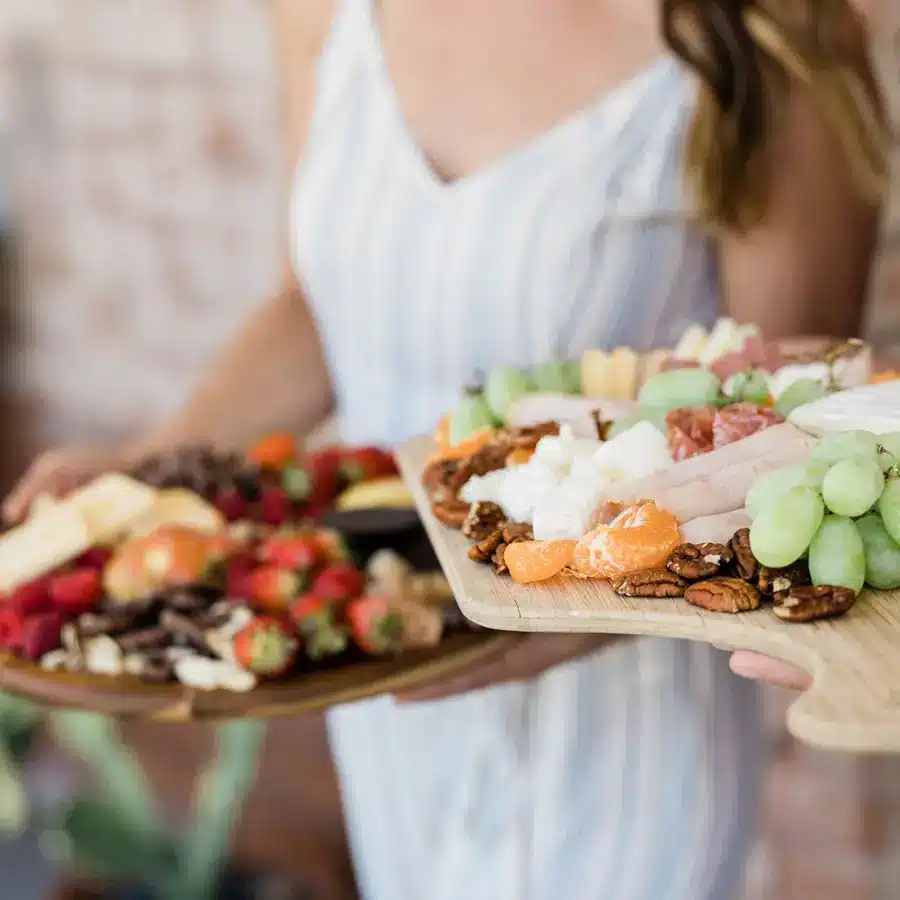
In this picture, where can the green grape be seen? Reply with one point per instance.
(889, 507)
(471, 415)
(837, 555)
(771, 485)
(840, 445)
(882, 553)
(572, 376)
(556, 377)
(852, 486)
(799, 393)
(889, 450)
(748, 387)
(783, 529)
(666, 391)
(504, 385)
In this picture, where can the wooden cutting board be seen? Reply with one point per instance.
(853, 705)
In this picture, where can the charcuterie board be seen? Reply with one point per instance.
(853, 704)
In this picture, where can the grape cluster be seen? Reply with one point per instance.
(840, 509)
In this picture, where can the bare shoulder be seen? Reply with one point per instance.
(300, 30)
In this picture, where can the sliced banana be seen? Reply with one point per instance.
(178, 506)
(380, 493)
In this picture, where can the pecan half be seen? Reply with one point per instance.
(489, 458)
(517, 531)
(773, 582)
(696, 561)
(745, 565)
(726, 595)
(439, 479)
(499, 561)
(483, 551)
(451, 513)
(650, 583)
(806, 604)
(527, 435)
(483, 519)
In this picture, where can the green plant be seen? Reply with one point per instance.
(116, 831)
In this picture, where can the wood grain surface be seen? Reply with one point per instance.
(853, 705)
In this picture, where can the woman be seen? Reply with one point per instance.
(490, 181)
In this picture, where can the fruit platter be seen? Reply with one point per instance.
(744, 493)
(210, 585)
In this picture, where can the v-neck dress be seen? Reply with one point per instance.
(629, 775)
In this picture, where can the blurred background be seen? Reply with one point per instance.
(140, 220)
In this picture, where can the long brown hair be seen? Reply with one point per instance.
(745, 54)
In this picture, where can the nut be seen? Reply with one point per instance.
(499, 561)
(650, 583)
(451, 513)
(489, 458)
(483, 551)
(517, 531)
(745, 565)
(440, 480)
(806, 604)
(726, 595)
(773, 582)
(696, 561)
(484, 519)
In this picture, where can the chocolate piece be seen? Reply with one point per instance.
(145, 639)
(183, 630)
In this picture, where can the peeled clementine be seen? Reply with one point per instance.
(530, 561)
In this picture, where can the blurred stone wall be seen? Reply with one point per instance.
(146, 155)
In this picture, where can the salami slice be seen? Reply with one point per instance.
(690, 431)
(755, 354)
(740, 420)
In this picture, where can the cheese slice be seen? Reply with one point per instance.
(692, 344)
(55, 536)
(596, 373)
(624, 366)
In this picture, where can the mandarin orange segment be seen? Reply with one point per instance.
(275, 451)
(640, 537)
(469, 447)
(530, 561)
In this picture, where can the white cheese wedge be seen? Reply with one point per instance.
(873, 407)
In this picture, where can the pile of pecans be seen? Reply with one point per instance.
(727, 578)
(483, 523)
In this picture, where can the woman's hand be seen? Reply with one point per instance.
(532, 655)
(773, 671)
(58, 473)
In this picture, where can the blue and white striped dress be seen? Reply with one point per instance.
(631, 775)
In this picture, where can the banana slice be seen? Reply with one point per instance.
(380, 493)
(110, 503)
(178, 506)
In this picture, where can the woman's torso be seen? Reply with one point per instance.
(577, 238)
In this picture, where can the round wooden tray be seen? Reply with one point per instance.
(319, 689)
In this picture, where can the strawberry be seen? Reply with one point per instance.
(274, 506)
(366, 463)
(95, 558)
(298, 552)
(41, 634)
(265, 647)
(374, 627)
(332, 545)
(324, 467)
(338, 583)
(76, 592)
(238, 570)
(232, 505)
(11, 623)
(272, 588)
(32, 598)
(314, 619)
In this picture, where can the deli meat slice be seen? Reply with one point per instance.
(739, 421)
(716, 482)
(690, 431)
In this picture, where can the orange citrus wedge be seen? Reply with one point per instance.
(468, 447)
(640, 537)
(275, 451)
(530, 561)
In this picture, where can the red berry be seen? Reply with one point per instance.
(95, 558)
(375, 628)
(265, 646)
(32, 598)
(366, 463)
(11, 623)
(314, 619)
(339, 582)
(324, 468)
(232, 505)
(238, 569)
(76, 592)
(41, 635)
(274, 506)
(298, 552)
(332, 545)
(272, 588)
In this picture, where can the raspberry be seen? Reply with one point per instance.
(41, 635)
(76, 592)
(29, 599)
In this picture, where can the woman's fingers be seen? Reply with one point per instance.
(773, 671)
